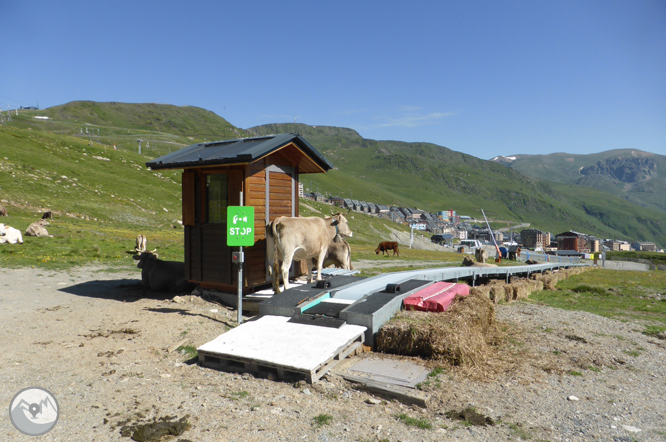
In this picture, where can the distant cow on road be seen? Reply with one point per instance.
(386, 246)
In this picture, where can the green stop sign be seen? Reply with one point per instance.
(240, 226)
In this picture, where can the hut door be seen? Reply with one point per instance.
(280, 192)
(280, 201)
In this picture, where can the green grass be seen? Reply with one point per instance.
(188, 350)
(656, 258)
(622, 295)
(519, 431)
(414, 422)
(321, 420)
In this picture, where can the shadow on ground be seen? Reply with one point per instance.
(126, 290)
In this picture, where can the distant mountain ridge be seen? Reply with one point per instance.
(433, 178)
(637, 176)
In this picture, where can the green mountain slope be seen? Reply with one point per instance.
(161, 127)
(639, 177)
(421, 175)
(434, 178)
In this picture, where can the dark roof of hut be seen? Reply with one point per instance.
(240, 151)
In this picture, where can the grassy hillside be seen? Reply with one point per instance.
(162, 128)
(433, 178)
(102, 199)
(639, 177)
(420, 175)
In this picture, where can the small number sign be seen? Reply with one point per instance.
(240, 226)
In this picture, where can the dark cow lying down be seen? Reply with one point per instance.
(163, 276)
(386, 246)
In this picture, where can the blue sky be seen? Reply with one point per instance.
(485, 78)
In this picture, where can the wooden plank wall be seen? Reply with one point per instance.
(255, 256)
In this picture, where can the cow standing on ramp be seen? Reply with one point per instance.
(303, 238)
(338, 254)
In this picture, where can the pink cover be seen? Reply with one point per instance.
(435, 298)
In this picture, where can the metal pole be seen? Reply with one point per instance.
(240, 278)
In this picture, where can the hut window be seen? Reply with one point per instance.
(216, 198)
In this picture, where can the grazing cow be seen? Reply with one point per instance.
(470, 263)
(141, 244)
(386, 246)
(37, 228)
(160, 276)
(303, 238)
(338, 254)
(3, 211)
(481, 254)
(47, 215)
(10, 235)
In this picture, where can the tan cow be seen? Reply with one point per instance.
(3, 211)
(338, 254)
(141, 244)
(303, 238)
(481, 255)
(37, 228)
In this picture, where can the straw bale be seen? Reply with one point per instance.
(462, 335)
(482, 290)
(520, 290)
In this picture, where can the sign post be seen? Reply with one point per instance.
(240, 232)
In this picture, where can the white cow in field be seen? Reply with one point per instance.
(10, 235)
(37, 228)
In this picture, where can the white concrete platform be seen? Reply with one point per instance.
(271, 343)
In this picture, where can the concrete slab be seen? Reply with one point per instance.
(272, 341)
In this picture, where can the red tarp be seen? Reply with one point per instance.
(435, 298)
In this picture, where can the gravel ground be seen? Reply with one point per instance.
(99, 343)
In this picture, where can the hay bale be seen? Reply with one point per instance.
(459, 336)
(481, 290)
(496, 293)
(508, 292)
(520, 290)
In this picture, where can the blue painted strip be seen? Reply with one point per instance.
(316, 301)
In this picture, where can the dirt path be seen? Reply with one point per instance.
(100, 344)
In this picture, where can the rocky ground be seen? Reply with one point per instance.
(105, 349)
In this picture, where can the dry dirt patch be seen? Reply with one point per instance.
(100, 344)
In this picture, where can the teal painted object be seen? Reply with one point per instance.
(315, 302)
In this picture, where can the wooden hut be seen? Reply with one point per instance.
(266, 170)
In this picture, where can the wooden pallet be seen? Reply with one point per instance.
(272, 345)
(260, 368)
